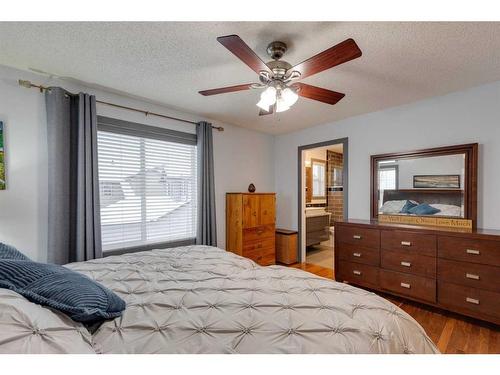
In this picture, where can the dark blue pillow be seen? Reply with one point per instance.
(423, 209)
(60, 288)
(407, 207)
(10, 252)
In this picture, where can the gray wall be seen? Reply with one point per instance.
(449, 164)
(463, 117)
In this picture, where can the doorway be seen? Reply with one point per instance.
(322, 199)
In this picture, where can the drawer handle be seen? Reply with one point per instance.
(472, 300)
(357, 255)
(356, 237)
(405, 243)
(259, 246)
(259, 232)
(356, 272)
(472, 276)
(406, 264)
(405, 285)
(472, 251)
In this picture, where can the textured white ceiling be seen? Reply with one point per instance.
(169, 62)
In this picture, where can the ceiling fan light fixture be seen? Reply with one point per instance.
(281, 105)
(262, 104)
(289, 96)
(269, 95)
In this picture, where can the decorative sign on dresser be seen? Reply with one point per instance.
(451, 269)
(250, 226)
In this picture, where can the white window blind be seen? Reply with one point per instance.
(147, 188)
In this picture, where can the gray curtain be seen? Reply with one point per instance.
(73, 202)
(207, 230)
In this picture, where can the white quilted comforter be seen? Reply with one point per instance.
(200, 299)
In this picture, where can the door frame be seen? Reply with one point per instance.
(300, 192)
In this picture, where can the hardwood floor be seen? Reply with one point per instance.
(452, 333)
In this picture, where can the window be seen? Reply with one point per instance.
(387, 180)
(318, 177)
(147, 181)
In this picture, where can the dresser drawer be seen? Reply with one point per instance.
(358, 254)
(358, 236)
(356, 273)
(470, 274)
(469, 250)
(423, 244)
(266, 243)
(409, 262)
(258, 233)
(417, 287)
(465, 299)
(264, 256)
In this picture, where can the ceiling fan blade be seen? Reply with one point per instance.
(242, 51)
(223, 90)
(336, 55)
(270, 112)
(318, 93)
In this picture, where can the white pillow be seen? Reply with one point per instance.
(392, 207)
(447, 210)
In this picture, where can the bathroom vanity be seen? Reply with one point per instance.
(317, 225)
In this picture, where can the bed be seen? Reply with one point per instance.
(200, 299)
(449, 202)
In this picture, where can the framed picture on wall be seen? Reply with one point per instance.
(439, 181)
(2, 159)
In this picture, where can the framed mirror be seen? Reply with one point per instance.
(318, 171)
(438, 182)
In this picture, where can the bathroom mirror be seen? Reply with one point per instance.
(442, 182)
(318, 171)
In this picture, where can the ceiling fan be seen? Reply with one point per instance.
(278, 77)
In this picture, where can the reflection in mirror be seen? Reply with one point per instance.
(318, 178)
(423, 186)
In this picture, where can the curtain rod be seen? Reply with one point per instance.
(29, 84)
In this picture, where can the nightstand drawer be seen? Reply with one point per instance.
(411, 263)
(469, 274)
(417, 287)
(358, 236)
(422, 244)
(358, 254)
(357, 273)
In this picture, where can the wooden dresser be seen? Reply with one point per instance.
(455, 270)
(250, 226)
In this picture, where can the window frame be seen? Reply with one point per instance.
(117, 126)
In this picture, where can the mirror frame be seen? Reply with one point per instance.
(470, 179)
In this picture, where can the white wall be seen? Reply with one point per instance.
(240, 156)
(463, 117)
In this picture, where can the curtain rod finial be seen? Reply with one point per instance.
(25, 83)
